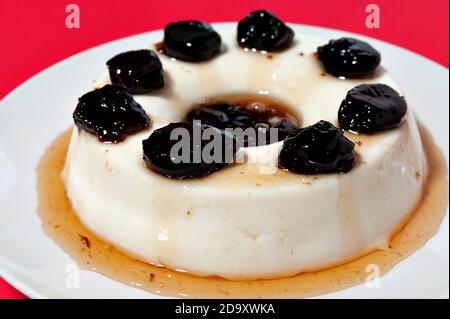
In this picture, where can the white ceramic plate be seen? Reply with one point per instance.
(37, 111)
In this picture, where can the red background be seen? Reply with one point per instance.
(33, 34)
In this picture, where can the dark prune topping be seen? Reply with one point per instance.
(262, 30)
(138, 71)
(227, 115)
(349, 58)
(285, 127)
(369, 108)
(196, 160)
(111, 113)
(316, 149)
(192, 41)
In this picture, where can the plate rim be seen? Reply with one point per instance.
(221, 23)
(31, 291)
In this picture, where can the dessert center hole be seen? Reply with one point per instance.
(255, 120)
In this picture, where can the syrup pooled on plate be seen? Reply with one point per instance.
(60, 222)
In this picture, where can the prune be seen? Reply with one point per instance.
(261, 30)
(111, 113)
(316, 149)
(349, 58)
(188, 150)
(191, 41)
(369, 108)
(138, 71)
(227, 115)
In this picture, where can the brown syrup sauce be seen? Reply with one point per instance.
(256, 102)
(62, 225)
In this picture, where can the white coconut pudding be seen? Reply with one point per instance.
(341, 178)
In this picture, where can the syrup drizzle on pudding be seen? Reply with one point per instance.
(62, 225)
